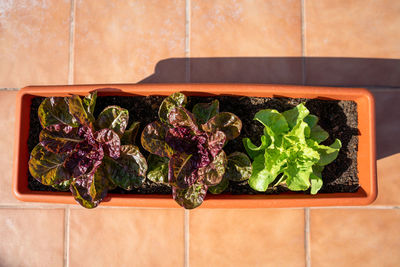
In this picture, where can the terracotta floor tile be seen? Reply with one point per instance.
(126, 237)
(355, 237)
(236, 40)
(265, 237)
(7, 120)
(387, 112)
(34, 42)
(122, 41)
(349, 36)
(358, 28)
(31, 237)
(389, 181)
(222, 28)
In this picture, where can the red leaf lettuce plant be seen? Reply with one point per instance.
(290, 152)
(186, 149)
(85, 155)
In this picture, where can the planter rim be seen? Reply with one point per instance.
(366, 161)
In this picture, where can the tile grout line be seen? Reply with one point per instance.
(71, 60)
(66, 237)
(186, 238)
(303, 41)
(187, 40)
(307, 237)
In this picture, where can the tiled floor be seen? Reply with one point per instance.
(312, 42)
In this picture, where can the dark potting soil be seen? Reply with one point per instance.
(338, 118)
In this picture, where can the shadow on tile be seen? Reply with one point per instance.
(387, 112)
(325, 71)
(319, 71)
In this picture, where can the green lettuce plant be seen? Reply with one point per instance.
(186, 148)
(85, 155)
(290, 152)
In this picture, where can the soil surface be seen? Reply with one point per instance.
(338, 118)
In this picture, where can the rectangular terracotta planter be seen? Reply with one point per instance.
(366, 162)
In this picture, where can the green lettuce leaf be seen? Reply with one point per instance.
(290, 150)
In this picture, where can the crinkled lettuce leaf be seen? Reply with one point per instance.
(290, 149)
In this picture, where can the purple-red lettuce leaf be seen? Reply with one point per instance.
(129, 136)
(181, 117)
(47, 167)
(55, 110)
(196, 159)
(110, 142)
(181, 170)
(59, 138)
(153, 139)
(181, 140)
(219, 188)
(205, 111)
(215, 142)
(87, 155)
(77, 110)
(63, 186)
(114, 118)
(226, 122)
(238, 167)
(90, 189)
(212, 173)
(129, 170)
(158, 169)
(89, 102)
(190, 197)
(169, 103)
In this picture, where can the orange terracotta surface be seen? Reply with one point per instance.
(34, 42)
(122, 41)
(355, 237)
(245, 28)
(273, 237)
(366, 149)
(358, 28)
(7, 120)
(126, 237)
(389, 181)
(32, 237)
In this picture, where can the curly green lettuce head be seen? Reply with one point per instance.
(290, 149)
